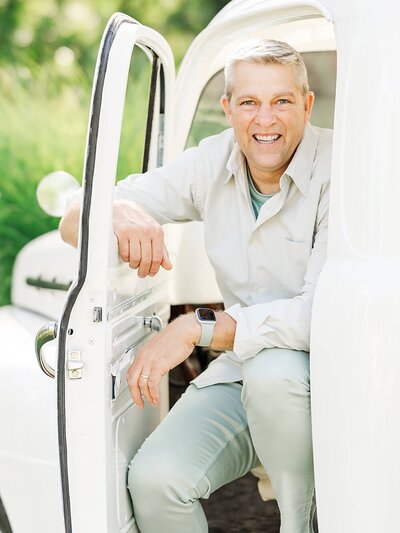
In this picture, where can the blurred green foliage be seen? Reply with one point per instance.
(32, 30)
(48, 51)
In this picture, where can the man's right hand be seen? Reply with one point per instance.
(140, 239)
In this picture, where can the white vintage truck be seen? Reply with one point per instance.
(68, 425)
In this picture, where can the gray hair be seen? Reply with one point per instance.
(267, 52)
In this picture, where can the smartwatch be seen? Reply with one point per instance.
(207, 320)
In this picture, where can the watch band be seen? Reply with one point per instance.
(207, 329)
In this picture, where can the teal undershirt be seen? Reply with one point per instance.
(257, 198)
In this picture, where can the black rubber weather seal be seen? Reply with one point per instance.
(114, 24)
(150, 112)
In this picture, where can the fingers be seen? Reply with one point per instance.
(133, 384)
(145, 258)
(143, 383)
(144, 386)
(134, 252)
(138, 385)
(157, 247)
(148, 384)
(144, 253)
(124, 248)
(152, 386)
(140, 238)
(165, 261)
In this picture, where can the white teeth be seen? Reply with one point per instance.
(266, 138)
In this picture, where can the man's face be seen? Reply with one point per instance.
(268, 114)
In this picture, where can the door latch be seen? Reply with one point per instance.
(74, 365)
(153, 322)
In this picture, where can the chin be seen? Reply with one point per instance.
(269, 166)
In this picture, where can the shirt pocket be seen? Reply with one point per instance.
(296, 255)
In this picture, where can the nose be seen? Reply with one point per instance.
(266, 116)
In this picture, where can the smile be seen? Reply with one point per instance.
(266, 139)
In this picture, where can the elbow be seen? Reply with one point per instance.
(63, 230)
(69, 226)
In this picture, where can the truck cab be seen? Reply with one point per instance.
(71, 427)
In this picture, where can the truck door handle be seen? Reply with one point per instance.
(153, 322)
(46, 333)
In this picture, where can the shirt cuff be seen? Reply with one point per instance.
(251, 330)
(233, 311)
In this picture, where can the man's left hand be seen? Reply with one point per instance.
(162, 353)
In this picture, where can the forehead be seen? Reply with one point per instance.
(261, 78)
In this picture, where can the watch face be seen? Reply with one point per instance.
(206, 314)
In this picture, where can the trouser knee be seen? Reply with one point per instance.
(276, 380)
(146, 477)
(157, 481)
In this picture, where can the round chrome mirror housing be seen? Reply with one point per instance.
(54, 191)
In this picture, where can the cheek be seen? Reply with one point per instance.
(240, 127)
(295, 127)
(231, 120)
(243, 121)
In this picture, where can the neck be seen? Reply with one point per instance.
(266, 183)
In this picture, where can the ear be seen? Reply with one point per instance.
(308, 104)
(226, 106)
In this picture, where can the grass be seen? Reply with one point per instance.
(31, 146)
(44, 129)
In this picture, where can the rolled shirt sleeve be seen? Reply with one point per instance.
(283, 323)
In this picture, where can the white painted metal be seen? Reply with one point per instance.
(33, 262)
(355, 341)
(29, 471)
(30, 465)
(355, 334)
(94, 424)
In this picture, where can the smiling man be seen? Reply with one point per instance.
(268, 111)
(261, 189)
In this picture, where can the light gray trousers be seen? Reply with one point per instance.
(216, 434)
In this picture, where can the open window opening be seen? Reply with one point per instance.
(141, 145)
(313, 36)
(209, 118)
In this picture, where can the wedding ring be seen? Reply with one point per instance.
(144, 376)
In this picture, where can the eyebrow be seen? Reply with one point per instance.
(276, 95)
(284, 93)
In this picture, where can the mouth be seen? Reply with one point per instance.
(266, 139)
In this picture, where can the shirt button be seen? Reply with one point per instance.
(254, 243)
(256, 288)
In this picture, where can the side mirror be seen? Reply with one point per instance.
(54, 190)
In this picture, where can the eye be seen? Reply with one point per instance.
(282, 101)
(248, 102)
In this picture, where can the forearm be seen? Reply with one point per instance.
(69, 224)
(224, 333)
(169, 348)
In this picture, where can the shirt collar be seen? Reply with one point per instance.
(235, 161)
(300, 167)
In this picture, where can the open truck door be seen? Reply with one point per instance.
(109, 312)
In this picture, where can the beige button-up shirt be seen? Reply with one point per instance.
(266, 268)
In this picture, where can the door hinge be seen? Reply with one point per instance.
(74, 365)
